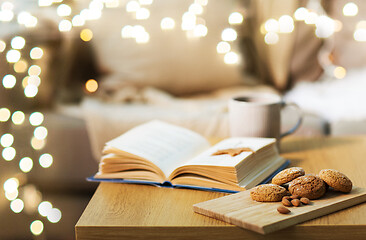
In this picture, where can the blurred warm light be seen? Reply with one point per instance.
(188, 21)
(45, 3)
(229, 34)
(44, 208)
(31, 22)
(231, 58)
(145, 2)
(64, 10)
(127, 32)
(12, 195)
(34, 70)
(65, 26)
(13, 56)
(6, 140)
(271, 25)
(36, 227)
(142, 37)
(167, 23)
(78, 21)
(2, 46)
(45, 160)
(54, 215)
(201, 2)
(300, 14)
(30, 90)
(26, 164)
(36, 53)
(361, 24)
(338, 25)
(91, 85)
(9, 153)
(21, 66)
(286, 24)
(350, 9)
(7, 6)
(6, 15)
(23, 17)
(325, 27)
(360, 35)
(236, 18)
(17, 42)
(311, 18)
(200, 30)
(17, 205)
(4, 114)
(339, 72)
(223, 47)
(262, 29)
(25, 81)
(9, 81)
(36, 119)
(196, 8)
(271, 38)
(37, 144)
(11, 185)
(96, 5)
(86, 35)
(33, 80)
(18, 117)
(111, 3)
(40, 132)
(142, 13)
(132, 6)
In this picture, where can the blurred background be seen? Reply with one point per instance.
(77, 73)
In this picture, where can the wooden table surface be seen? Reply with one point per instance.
(123, 211)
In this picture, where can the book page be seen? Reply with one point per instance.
(166, 145)
(206, 158)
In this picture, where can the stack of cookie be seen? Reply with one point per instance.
(293, 181)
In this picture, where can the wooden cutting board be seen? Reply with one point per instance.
(239, 209)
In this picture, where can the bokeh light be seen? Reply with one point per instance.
(132, 6)
(17, 205)
(142, 13)
(65, 26)
(350, 9)
(4, 114)
(78, 21)
(167, 23)
(229, 35)
(54, 215)
(6, 140)
(64, 10)
(40, 132)
(91, 85)
(339, 72)
(2, 46)
(44, 208)
(26, 164)
(36, 227)
(45, 160)
(271, 25)
(30, 91)
(231, 58)
(18, 117)
(21, 66)
(17, 42)
(223, 47)
(34, 70)
(86, 35)
(37, 144)
(9, 81)
(271, 38)
(36, 53)
(36, 119)
(13, 56)
(236, 18)
(9, 153)
(11, 195)
(11, 185)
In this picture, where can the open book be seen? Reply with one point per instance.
(164, 154)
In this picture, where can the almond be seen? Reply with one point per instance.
(283, 210)
(286, 202)
(296, 202)
(304, 200)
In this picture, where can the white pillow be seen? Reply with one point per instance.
(170, 60)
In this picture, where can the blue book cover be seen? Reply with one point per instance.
(169, 185)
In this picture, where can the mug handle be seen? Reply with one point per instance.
(298, 124)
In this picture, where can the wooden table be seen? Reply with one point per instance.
(122, 211)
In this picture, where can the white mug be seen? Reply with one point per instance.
(259, 115)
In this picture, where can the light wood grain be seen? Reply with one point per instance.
(121, 211)
(239, 209)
